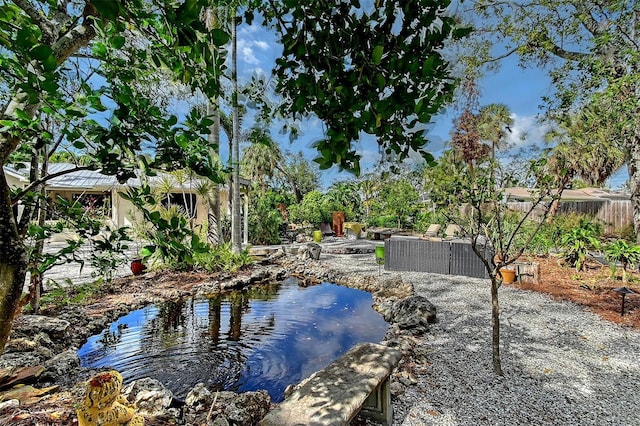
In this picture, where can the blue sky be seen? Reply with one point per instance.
(520, 89)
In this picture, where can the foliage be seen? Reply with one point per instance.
(551, 232)
(221, 258)
(171, 241)
(264, 218)
(344, 196)
(399, 197)
(619, 251)
(440, 180)
(590, 50)
(577, 242)
(301, 175)
(61, 295)
(584, 145)
(376, 70)
(108, 253)
(426, 218)
(312, 209)
(384, 221)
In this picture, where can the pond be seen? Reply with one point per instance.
(266, 338)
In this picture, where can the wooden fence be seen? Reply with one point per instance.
(613, 214)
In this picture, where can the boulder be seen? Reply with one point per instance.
(247, 408)
(30, 325)
(62, 368)
(413, 313)
(309, 251)
(150, 397)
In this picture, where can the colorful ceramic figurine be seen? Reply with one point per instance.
(104, 406)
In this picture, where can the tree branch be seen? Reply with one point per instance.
(38, 18)
(76, 38)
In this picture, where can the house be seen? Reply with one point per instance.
(100, 194)
(612, 208)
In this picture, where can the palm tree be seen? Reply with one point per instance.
(211, 192)
(585, 146)
(236, 231)
(261, 159)
(494, 121)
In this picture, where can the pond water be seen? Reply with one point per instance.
(265, 338)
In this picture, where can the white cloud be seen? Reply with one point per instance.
(526, 131)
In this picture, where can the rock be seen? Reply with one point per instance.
(397, 388)
(247, 408)
(394, 288)
(220, 421)
(199, 396)
(309, 251)
(20, 359)
(62, 367)
(413, 313)
(150, 397)
(30, 325)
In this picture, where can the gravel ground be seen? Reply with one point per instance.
(562, 364)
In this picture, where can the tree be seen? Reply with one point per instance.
(116, 45)
(236, 229)
(400, 198)
(374, 69)
(301, 175)
(493, 124)
(261, 159)
(345, 196)
(586, 144)
(591, 50)
(481, 213)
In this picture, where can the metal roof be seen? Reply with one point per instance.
(94, 180)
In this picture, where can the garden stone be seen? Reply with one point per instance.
(199, 396)
(150, 397)
(309, 251)
(62, 367)
(248, 408)
(29, 325)
(20, 359)
(413, 314)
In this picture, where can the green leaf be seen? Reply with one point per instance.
(117, 42)
(108, 9)
(147, 251)
(376, 55)
(50, 63)
(220, 37)
(40, 52)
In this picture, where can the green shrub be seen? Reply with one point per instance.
(222, 258)
(388, 221)
(264, 221)
(621, 252)
(577, 242)
(424, 219)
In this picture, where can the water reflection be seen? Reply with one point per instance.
(265, 338)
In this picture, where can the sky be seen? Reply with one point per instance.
(520, 89)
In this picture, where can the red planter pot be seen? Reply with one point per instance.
(137, 267)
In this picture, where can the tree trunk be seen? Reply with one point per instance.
(213, 214)
(236, 232)
(633, 148)
(495, 323)
(13, 263)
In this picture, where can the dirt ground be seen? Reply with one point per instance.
(593, 288)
